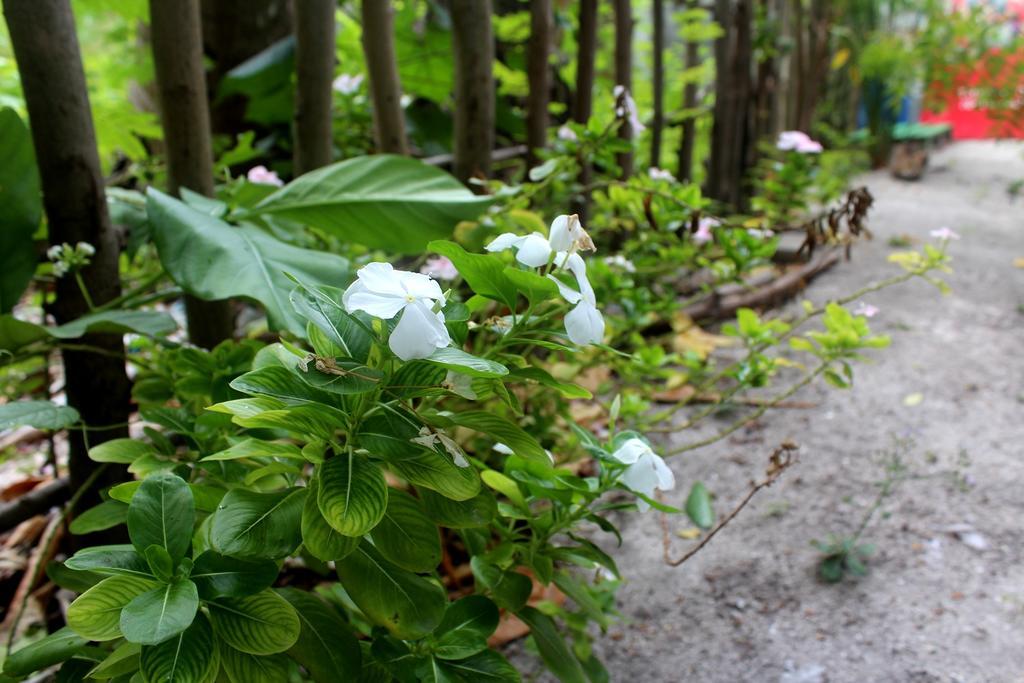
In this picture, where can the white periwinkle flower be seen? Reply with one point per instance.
(660, 174)
(704, 226)
(347, 84)
(85, 248)
(944, 233)
(566, 133)
(646, 470)
(384, 292)
(584, 324)
(534, 250)
(263, 176)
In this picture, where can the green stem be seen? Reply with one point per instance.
(85, 291)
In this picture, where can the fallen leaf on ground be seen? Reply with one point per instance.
(911, 400)
(688, 534)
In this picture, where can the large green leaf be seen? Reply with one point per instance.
(466, 626)
(242, 667)
(406, 536)
(162, 612)
(553, 650)
(249, 524)
(20, 208)
(280, 383)
(15, 333)
(257, 448)
(147, 323)
(382, 201)
(459, 514)
(351, 493)
(261, 624)
(106, 515)
(162, 512)
(320, 538)
(322, 307)
(503, 431)
(96, 613)
(409, 606)
(188, 657)
(485, 273)
(510, 589)
(123, 660)
(439, 472)
(53, 649)
(38, 414)
(123, 451)
(110, 559)
(467, 364)
(326, 646)
(217, 575)
(214, 260)
(486, 666)
(342, 376)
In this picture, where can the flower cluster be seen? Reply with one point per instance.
(67, 258)
(797, 141)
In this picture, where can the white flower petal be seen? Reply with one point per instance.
(578, 267)
(666, 478)
(534, 251)
(631, 450)
(584, 324)
(505, 240)
(381, 278)
(419, 333)
(559, 235)
(379, 306)
(421, 286)
(568, 293)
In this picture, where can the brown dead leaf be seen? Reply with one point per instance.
(1018, 262)
(688, 336)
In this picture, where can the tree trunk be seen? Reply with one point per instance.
(42, 33)
(473, 45)
(314, 71)
(658, 82)
(731, 143)
(688, 137)
(234, 31)
(538, 52)
(385, 86)
(176, 38)
(624, 75)
(583, 102)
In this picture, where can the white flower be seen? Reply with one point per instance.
(865, 309)
(584, 324)
(620, 261)
(704, 225)
(440, 267)
(944, 233)
(263, 176)
(567, 234)
(760, 234)
(797, 141)
(384, 292)
(534, 250)
(647, 471)
(660, 174)
(567, 133)
(347, 84)
(428, 438)
(54, 253)
(626, 108)
(60, 269)
(85, 248)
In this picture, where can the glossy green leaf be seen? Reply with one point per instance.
(459, 514)
(352, 494)
(304, 420)
(510, 589)
(503, 431)
(20, 208)
(158, 614)
(257, 448)
(553, 650)
(320, 538)
(261, 624)
(110, 559)
(326, 647)
(382, 201)
(96, 613)
(242, 667)
(38, 414)
(541, 376)
(123, 451)
(343, 377)
(466, 626)
(406, 536)
(468, 364)
(698, 506)
(249, 524)
(122, 661)
(322, 307)
(536, 288)
(146, 323)
(160, 563)
(485, 273)
(486, 666)
(214, 260)
(217, 575)
(188, 657)
(15, 334)
(106, 515)
(407, 605)
(280, 383)
(53, 649)
(433, 470)
(162, 512)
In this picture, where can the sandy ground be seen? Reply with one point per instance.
(936, 605)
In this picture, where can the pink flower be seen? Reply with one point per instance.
(944, 233)
(263, 176)
(797, 141)
(660, 174)
(440, 268)
(865, 309)
(567, 133)
(347, 84)
(704, 226)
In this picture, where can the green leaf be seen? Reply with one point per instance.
(217, 575)
(106, 515)
(553, 650)
(459, 514)
(465, 628)
(123, 661)
(503, 431)
(160, 563)
(698, 506)
(389, 435)
(77, 581)
(162, 512)
(506, 486)
(382, 201)
(352, 493)
(485, 273)
(146, 323)
(53, 649)
(405, 536)
(20, 208)
(249, 524)
(509, 589)
(38, 414)
(214, 260)
(96, 613)
(344, 377)
(326, 647)
(14, 333)
(407, 605)
(322, 307)
(158, 614)
(261, 624)
(578, 593)
(536, 288)
(567, 389)
(123, 451)
(245, 668)
(320, 538)
(433, 470)
(280, 383)
(110, 559)
(189, 657)
(257, 448)
(486, 666)
(468, 364)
